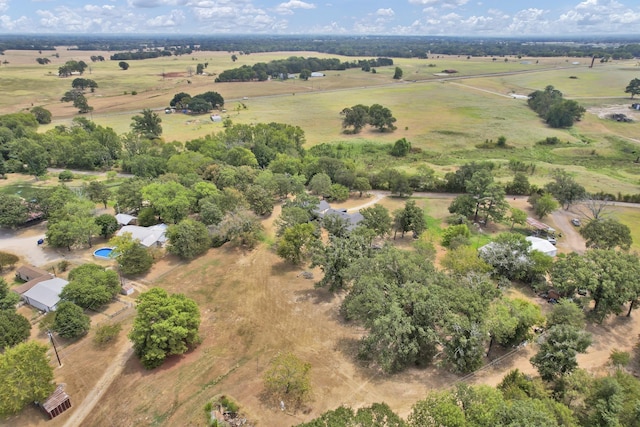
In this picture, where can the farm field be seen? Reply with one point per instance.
(254, 305)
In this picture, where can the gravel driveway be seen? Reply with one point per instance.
(24, 243)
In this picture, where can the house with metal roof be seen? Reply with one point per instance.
(45, 295)
(148, 236)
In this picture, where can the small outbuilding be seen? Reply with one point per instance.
(126, 219)
(29, 272)
(57, 403)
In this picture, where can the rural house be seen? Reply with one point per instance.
(45, 295)
(148, 236)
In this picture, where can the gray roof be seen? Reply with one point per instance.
(124, 219)
(47, 292)
(148, 236)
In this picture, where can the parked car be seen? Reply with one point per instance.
(576, 222)
(552, 240)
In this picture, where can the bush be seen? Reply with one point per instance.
(107, 333)
(460, 233)
(229, 404)
(63, 265)
(65, 176)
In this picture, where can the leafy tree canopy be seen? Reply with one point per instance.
(165, 325)
(14, 328)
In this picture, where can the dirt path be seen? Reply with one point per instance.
(110, 374)
(571, 240)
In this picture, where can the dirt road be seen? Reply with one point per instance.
(114, 370)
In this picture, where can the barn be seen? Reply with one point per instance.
(542, 245)
(57, 403)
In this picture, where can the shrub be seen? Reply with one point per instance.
(107, 333)
(459, 233)
(65, 176)
(63, 265)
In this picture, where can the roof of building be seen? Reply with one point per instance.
(57, 398)
(47, 292)
(539, 225)
(542, 245)
(125, 219)
(30, 284)
(31, 271)
(148, 236)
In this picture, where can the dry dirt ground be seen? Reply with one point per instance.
(252, 306)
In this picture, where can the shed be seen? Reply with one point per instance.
(45, 295)
(29, 272)
(57, 403)
(127, 290)
(540, 226)
(542, 245)
(317, 74)
(216, 118)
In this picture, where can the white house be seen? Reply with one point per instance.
(148, 236)
(125, 219)
(45, 295)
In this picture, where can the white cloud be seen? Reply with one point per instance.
(385, 12)
(441, 3)
(4, 5)
(173, 19)
(148, 4)
(287, 8)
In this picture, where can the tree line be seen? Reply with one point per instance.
(280, 68)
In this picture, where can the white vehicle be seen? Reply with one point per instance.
(576, 222)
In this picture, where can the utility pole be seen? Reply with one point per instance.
(54, 346)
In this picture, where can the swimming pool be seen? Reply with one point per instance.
(103, 253)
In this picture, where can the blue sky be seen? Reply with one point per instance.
(399, 17)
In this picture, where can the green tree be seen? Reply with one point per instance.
(14, 328)
(517, 216)
(188, 238)
(338, 193)
(98, 192)
(607, 275)
(13, 211)
(463, 260)
(91, 286)
(81, 103)
(171, 200)
(565, 189)
(123, 65)
(410, 218)
(519, 186)
(437, 409)
(607, 234)
(336, 256)
(556, 356)
(510, 321)
(633, 87)
(296, 242)
(381, 118)
(65, 176)
(42, 115)
(147, 124)
(320, 184)
(108, 225)
(288, 379)
(465, 349)
(8, 299)
(305, 74)
(25, 375)
(361, 185)
(566, 312)
(376, 415)
(164, 325)
(131, 256)
(260, 200)
(34, 156)
(564, 113)
(239, 226)
(376, 218)
(543, 205)
(70, 320)
(397, 74)
(401, 148)
(454, 233)
(355, 117)
(77, 230)
(509, 256)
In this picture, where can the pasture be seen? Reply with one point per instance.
(254, 305)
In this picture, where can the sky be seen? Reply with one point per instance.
(506, 18)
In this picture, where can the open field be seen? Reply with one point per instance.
(254, 305)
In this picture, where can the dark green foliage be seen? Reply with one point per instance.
(6, 260)
(556, 111)
(397, 75)
(401, 148)
(376, 218)
(98, 192)
(376, 415)
(147, 125)
(65, 176)
(188, 238)
(606, 233)
(519, 186)
(108, 225)
(358, 116)
(123, 65)
(165, 325)
(556, 356)
(410, 218)
(13, 211)
(70, 320)
(633, 87)
(455, 233)
(14, 328)
(25, 375)
(337, 193)
(91, 286)
(42, 115)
